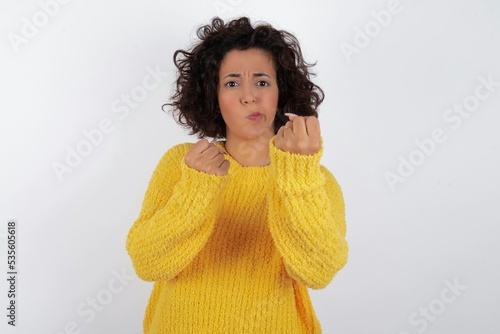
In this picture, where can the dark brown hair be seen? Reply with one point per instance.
(195, 103)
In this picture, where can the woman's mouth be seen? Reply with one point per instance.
(256, 116)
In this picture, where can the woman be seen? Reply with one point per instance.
(234, 231)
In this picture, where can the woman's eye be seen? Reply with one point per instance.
(262, 83)
(231, 84)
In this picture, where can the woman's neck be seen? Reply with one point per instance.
(252, 152)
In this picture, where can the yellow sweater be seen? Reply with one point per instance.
(236, 253)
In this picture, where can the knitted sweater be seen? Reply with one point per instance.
(236, 253)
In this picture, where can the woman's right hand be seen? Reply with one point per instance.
(206, 157)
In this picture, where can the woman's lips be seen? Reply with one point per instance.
(256, 116)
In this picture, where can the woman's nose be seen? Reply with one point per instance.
(248, 95)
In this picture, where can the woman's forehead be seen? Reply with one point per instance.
(250, 61)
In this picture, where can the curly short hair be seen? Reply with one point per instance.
(195, 103)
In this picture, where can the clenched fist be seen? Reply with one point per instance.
(206, 157)
(299, 135)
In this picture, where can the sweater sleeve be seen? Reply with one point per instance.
(306, 217)
(177, 217)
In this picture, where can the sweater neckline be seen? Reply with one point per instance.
(233, 161)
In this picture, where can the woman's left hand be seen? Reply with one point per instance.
(301, 134)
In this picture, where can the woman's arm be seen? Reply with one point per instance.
(176, 219)
(307, 217)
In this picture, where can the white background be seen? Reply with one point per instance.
(441, 224)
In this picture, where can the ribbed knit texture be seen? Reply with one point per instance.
(236, 253)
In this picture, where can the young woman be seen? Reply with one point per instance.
(234, 231)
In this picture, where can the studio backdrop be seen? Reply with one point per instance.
(410, 128)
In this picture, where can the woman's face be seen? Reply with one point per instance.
(248, 94)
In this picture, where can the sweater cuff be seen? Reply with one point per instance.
(293, 172)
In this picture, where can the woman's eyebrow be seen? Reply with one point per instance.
(237, 75)
(261, 74)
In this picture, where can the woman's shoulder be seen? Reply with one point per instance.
(175, 154)
(177, 151)
(171, 158)
(182, 148)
